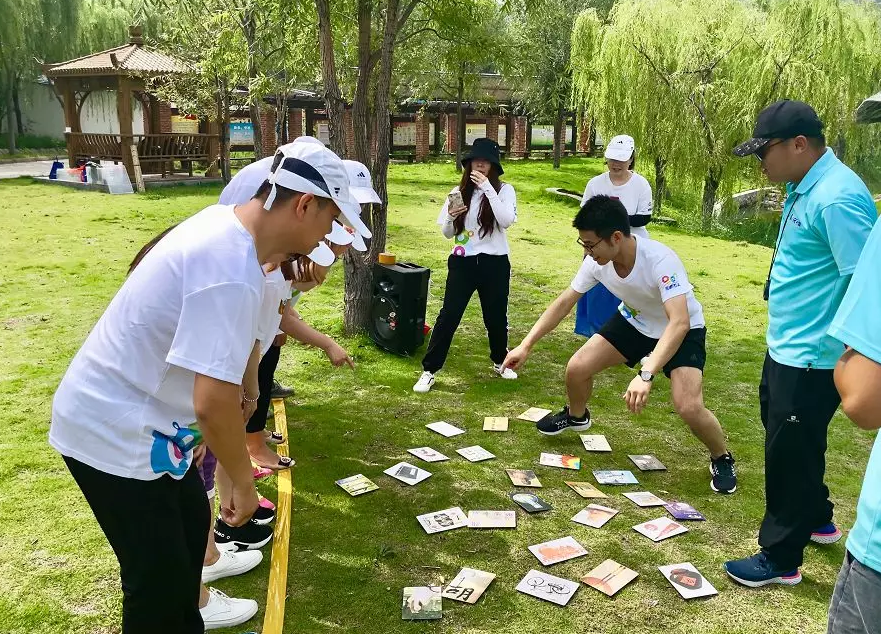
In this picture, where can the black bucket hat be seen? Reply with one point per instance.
(486, 149)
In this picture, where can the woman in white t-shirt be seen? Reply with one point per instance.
(479, 259)
(620, 181)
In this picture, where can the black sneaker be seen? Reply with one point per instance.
(724, 474)
(248, 536)
(280, 391)
(553, 424)
(263, 516)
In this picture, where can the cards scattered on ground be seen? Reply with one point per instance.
(683, 511)
(405, 472)
(561, 461)
(445, 520)
(609, 577)
(586, 490)
(475, 453)
(647, 463)
(688, 581)
(595, 442)
(659, 529)
(357, 484)
(523, 478)
(428, 454)
(615, 477)
(492, 519)
(534, 414)
(530, 502)
(547, 587)
(495, 423)
(445, 429)
(595, 515)
(468, 585)
(644, 498)
(422, 603)
(557, 550)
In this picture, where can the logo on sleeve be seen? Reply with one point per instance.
(669, 282)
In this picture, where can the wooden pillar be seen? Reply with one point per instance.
(71, 119)
(124, 113)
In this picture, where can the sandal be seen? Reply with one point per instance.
(284, 462)
(274, 438)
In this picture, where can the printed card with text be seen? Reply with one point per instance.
(495, 423)
(689, 583)
(422, 603)
(609, 476)
(585, 489)
(468, 585)
(357, 485)
(534, 414)
(492, 519)
(609, 577)
(595, 442)
(407, 473)
(560, 461)
(547, 587)
(644, 498)
(647, 463)
(475, 453)
(595, 515)
(445, 429)
(445, 520)
(523, 478)
(428, 454)
(557, 550)
(660, 529)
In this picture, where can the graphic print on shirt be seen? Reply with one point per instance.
(669, 282)
(461, 241)
(627, 312)
(171, 454)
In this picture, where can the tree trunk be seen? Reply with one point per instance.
(222, 104)
(460, 118)
(360, 103)
(840, 147)
(10, 112)
(559, 136)
(333, 99)
(592, 144)
(711, 186)
(249, 29)
(359, 270)
(660, 183)
(15, 101)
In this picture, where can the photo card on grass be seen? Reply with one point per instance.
(563, 461)
(557, 550)
(445, 429)
(585, 489)
(523, 478)
(644, 498)
(609, 577)
(689, 583)
(547, 587)
(595, 442)
(468, 585)
(357, 485)
(534, 414)
(595, 515)
(614, 476)
(646, 462)
(422, 603)
(492, 519)
(660, 529)
(407, 473)
(475, 453)
(495, 423)
(441, 521)
(530, 502)
(428, 454)
(684, 511)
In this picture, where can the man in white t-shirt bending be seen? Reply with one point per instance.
(170, 351)
(659, 318)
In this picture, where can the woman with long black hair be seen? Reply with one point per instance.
(476, 216)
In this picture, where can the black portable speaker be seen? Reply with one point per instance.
(397, 308)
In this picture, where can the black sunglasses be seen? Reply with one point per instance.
(763, 151)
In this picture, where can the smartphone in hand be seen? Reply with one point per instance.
(455, 200)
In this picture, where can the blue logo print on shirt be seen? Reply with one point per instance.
(172, 454)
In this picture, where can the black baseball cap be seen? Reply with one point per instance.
(784, 119)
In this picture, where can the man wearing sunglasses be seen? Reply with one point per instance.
(659, 324)
(826, 220)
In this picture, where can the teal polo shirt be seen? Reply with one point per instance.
(826, 220)
(856, 325)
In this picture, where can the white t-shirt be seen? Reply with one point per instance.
(469, 242)
(125, 404)
(635, 195)
(276, 295)
(242, 187)
(657, 276)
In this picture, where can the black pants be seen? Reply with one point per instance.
(159, 531)
(797, 405)
(265, 377)
(490, 276)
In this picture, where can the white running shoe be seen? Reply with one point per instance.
(224, 611)
(231, 564)
(507, 373)
(424, 383)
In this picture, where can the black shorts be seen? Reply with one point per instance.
(634, 345)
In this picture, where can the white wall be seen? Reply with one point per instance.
(42, 114)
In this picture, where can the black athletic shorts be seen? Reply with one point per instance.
(634, 345)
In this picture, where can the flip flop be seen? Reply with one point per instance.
(262, 472)
(275, 438)
(267, 504)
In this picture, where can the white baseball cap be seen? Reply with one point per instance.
(620, 148)
(360, 183)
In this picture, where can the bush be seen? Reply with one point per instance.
(32, 142)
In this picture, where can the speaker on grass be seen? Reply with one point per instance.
(397, 309)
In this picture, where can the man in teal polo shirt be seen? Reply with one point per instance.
(856, 603)
(826, 220)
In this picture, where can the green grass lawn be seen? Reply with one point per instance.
(63, 255)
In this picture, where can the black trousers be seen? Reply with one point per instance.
(159, 531)
(265, 377)
(797, 405)
(490, 276)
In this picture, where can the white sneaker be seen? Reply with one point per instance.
(224, 611)
(231, 564)
(424, 383)
(507, 373)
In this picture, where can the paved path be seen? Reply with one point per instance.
(30, 168)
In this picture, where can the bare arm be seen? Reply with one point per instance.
(550, 319)
(293, 325)
(858, 380)
(250, 384)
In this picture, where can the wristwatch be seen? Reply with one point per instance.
(646, 376)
